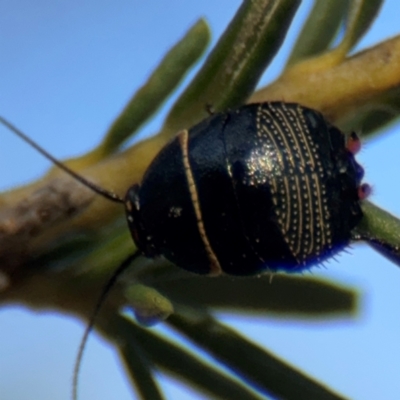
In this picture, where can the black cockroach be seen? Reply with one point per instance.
(269, 186)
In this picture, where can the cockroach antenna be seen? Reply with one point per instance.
(111, 281)
(99, 190)
(93, 316)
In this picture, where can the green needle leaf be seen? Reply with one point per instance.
(150, 307)
(158, 87)
(250, 362)
(361, 15)
(283, 296)
(319, 30)
(235, 65)
(381, 230)
(174, 360)
(139, 369)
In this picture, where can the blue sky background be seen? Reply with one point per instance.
(66, 70)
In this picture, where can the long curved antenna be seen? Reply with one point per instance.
(99, 190)
(89, 327)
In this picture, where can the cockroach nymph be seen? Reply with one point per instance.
(265, 187)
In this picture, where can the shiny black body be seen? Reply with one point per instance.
(266, 186)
